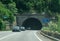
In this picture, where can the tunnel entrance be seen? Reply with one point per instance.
(32, 24)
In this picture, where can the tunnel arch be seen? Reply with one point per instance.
(32, 23)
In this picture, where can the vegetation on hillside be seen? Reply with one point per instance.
(10, 7)
(7, 11)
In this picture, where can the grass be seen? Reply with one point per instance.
(53, 27)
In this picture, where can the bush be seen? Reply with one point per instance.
(51, 27)
(2, 25)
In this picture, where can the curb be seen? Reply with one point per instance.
(55, 39)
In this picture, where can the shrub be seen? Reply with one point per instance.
(2, 25)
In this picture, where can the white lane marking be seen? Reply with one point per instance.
(7, 36)
(37, 37)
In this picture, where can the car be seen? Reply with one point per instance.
(16, 29)
(28, 28)
(22, 28)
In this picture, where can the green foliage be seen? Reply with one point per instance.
(12, 7)
(58, 23)
(52, 6)
(53, 27)
(2, 25)
(7, 12)
(11, 18)
(6, 1)
(8, 8)
(21, 5)
(3, 11)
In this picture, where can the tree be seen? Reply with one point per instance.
(6, 14)
(6, 1)
(12, 7)
(2, 25)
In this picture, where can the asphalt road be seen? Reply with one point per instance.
(27, 35)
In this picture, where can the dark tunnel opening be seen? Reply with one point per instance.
(32, 24)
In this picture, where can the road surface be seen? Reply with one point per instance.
(28, 35)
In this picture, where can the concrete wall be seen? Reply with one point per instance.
(21, 18)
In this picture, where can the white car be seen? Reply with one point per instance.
(16, 29)
(22, 28)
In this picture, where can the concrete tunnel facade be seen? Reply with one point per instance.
(34, 22)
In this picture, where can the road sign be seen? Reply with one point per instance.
(45, 20)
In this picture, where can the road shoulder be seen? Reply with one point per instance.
(43, 38)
